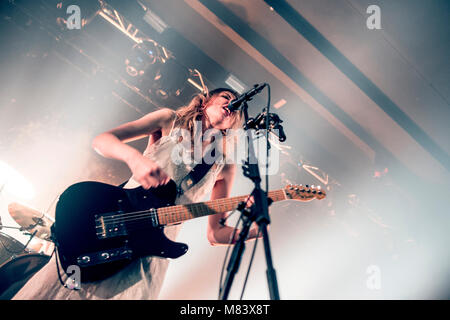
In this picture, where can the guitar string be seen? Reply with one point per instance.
(216, 202)
(133, 223)
(231, 200)
(181, 211)
(162, 219)
(173, 216)
(174, 210)
(179, 214)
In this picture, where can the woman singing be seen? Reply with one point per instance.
(142, 279)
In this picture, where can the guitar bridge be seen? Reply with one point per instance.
(110, 226)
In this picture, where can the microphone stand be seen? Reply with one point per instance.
(259, 213)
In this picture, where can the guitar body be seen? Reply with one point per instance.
(101, 228)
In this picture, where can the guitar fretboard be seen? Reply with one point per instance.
(179, 213)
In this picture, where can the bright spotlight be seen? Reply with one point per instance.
(235, 84)
(14, 183)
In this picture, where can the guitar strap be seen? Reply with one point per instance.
(196, 174)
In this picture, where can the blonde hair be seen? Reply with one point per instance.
(195, 110)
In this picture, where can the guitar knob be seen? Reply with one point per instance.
(85, 259)
(105, 255)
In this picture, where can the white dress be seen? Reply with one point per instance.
(143, 278)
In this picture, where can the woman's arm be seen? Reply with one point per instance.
(218, 234)
(112, 144)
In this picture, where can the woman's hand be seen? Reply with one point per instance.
(147, 172)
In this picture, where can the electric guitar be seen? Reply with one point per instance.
(102, 228)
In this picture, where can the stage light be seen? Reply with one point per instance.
(155, 72)
(170, 79)
(235, 84)
(279, 104)
(156, 22)
(195, 84)
(142, 57)
(12, 182)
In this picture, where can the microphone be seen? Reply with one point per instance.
(247, 96)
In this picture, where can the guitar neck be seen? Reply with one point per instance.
(180, 213)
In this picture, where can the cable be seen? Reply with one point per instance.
(229, 244)
(226, 256)
(250, 264)
(57, 267)
(267, 138)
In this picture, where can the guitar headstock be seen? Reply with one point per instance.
(304, 192)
